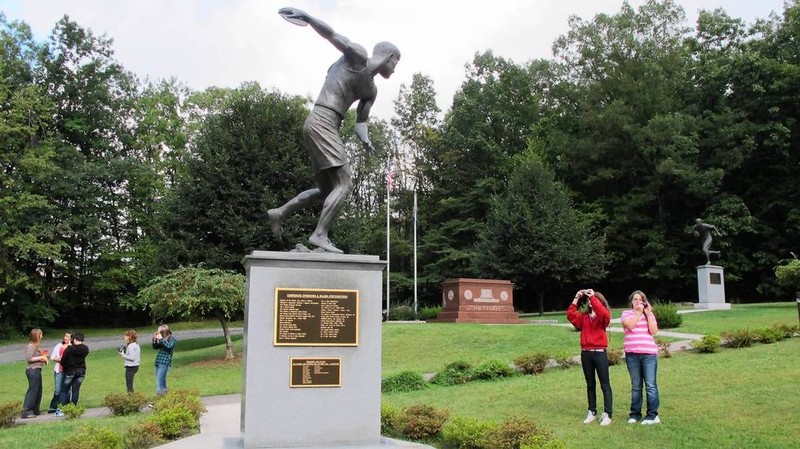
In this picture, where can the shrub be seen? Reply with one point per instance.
(738, 339)
(388, 417)
(788, 274)
(567, 361)
(663, 347)
(667, 315)
(72, 411)
(124, 403)
(90, 438)
(614, 356)
(175, 422)
(186, 398)
(429, 313)
(789, 331)
(708, 344)
(467, 433)
(9, 411)
(768, 335)
(421, 422)
(532, 363)
(493, 370)
(142, 435)
(454, 373)
(402, 313)
(515, 432)
(402, 382)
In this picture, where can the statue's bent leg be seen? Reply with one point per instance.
(301, 201)
(341, 182)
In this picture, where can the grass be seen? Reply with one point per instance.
(46, 435)
(732, 399)
(741, 316)
(197, 366)
(735, 398)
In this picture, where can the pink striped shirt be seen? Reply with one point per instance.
(638, 340)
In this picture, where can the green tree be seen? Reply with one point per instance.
(245, 158)
(194, 292)
(624, 135)
(534, 235)
(489, 122)
(27, 233)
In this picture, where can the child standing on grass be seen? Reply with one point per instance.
(592, 317)
(165, 342)
(131, 354)
(641, 356)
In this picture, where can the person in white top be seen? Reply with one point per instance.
(58, 371)
(132, 355)
(641, 356)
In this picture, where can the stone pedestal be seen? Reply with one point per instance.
(711, 288)
(312, 350)
(478, 301)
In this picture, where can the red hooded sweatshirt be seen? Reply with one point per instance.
(593, 330)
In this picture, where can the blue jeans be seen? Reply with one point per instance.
(643, 369)
(161, 379)
(71, 388)
(58, 382)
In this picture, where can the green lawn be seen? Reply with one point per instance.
(741, 316)
(742, 398)
(736, 398)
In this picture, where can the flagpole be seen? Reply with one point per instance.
(415, 252)
(388, 248)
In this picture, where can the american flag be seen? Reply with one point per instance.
(389, 176)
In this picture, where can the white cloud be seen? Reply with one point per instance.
(224, 43)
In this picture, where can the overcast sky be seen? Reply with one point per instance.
(224, 43)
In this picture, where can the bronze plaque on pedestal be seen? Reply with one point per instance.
(316, 317)
(317, 372)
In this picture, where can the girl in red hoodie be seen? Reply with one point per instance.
(592, 321)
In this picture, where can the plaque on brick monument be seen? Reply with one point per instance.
(478, 301)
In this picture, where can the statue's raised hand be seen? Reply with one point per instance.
(294, 15)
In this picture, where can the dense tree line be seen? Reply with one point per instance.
(588, 167)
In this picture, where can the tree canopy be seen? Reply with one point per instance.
(639, 124)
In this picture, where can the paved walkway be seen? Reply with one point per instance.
(16, 352)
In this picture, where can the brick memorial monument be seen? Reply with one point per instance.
(478, 301)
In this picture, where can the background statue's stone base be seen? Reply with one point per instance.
(711, 288)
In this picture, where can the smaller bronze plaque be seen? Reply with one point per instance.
(316, 372)
(715, 278)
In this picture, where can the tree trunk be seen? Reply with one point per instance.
(541, 303)
(226, 332)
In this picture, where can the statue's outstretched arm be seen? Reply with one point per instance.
(343, 44)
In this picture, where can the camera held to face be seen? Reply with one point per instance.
(583, 301)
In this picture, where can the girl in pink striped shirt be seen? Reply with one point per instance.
(641, 356)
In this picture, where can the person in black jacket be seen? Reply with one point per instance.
(73, 363)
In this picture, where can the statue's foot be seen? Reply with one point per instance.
(324, 244)
(275, 224)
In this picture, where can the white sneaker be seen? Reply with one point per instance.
(590, 418)
(648, 422)
(631, 420)
(605, 420)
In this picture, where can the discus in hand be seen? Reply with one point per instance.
(293, 16)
